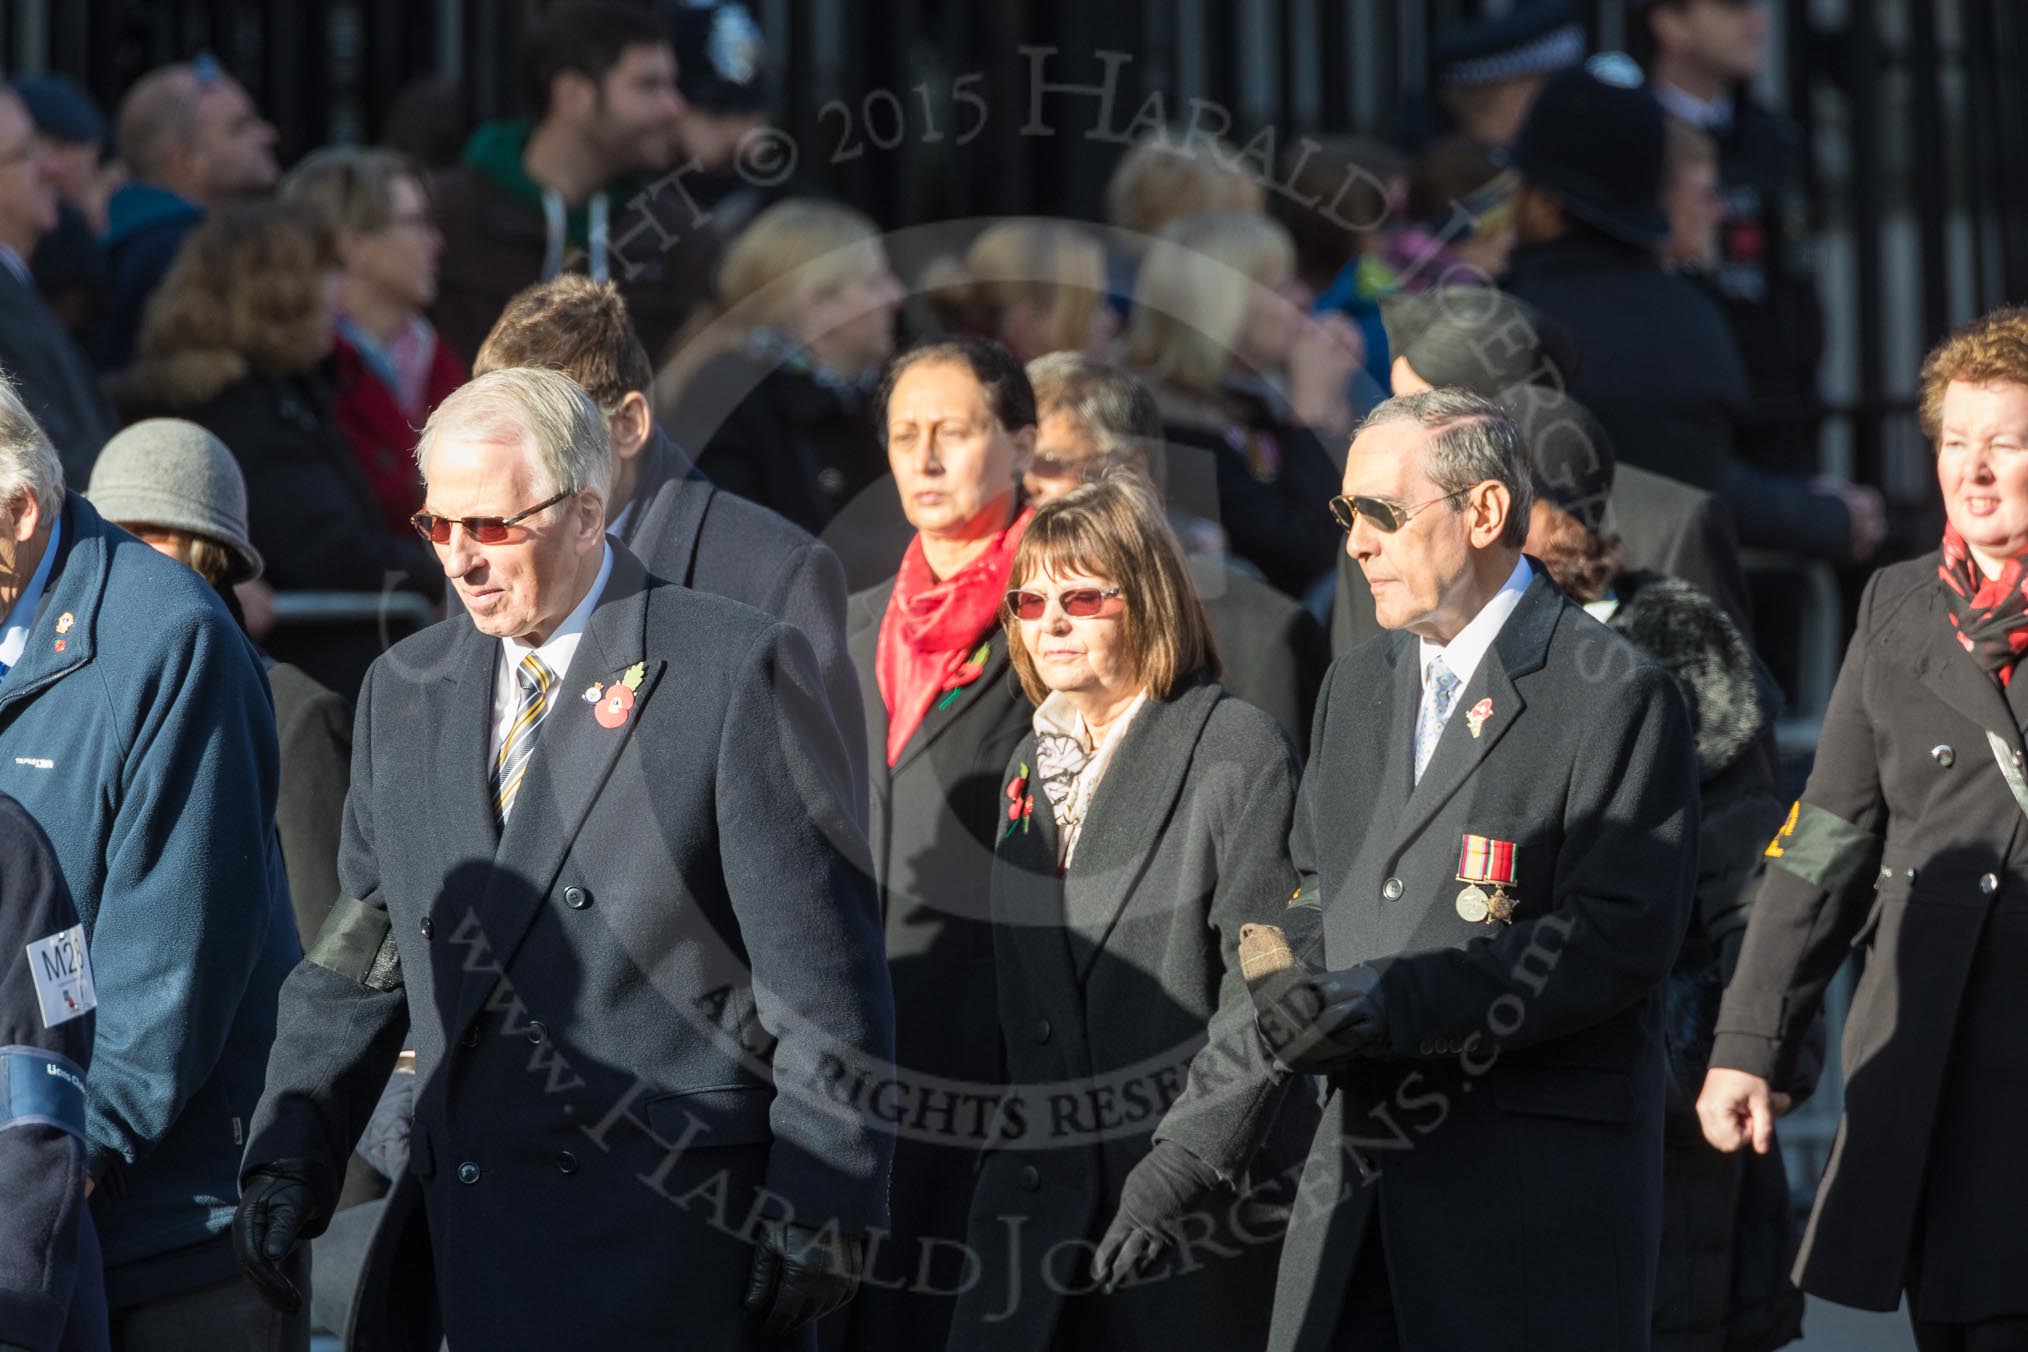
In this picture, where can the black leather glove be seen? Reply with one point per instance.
(1313, 1021)
(1168, 1182)
(800, 1275)
(277, 1208)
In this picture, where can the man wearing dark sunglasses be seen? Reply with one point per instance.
(600, 865)
(1496, 839)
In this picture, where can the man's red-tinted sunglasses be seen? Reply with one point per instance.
(484, 530)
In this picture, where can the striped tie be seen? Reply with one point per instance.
(519, 743)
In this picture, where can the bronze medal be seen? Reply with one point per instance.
(1473, 907)
(1500, 906)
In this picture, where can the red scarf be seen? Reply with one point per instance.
(932, 627)
(1990, 615)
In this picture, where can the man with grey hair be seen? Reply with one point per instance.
(1496, 837)
(1091, 415)
(602, 875)
(136, 728)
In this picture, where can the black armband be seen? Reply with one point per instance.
(357, 943)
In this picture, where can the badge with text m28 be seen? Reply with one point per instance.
(1483, 862)
(63, 976)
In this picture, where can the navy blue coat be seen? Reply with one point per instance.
(639, 1014)
(137, 729)
(687, 530)
(1507, 1140)
(52, 1298)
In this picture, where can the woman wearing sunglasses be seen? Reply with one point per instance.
(1145, 818)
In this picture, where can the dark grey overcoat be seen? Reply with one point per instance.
(1509, 1139)
(932, 821)
(1907, 846)
(1125, 1020)
(634, 1010)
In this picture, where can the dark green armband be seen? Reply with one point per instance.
(357, 943)
(1822, 848)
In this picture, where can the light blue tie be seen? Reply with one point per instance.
(1439, 691)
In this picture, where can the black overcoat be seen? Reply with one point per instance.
(1908, 847)
(1509, 1139)
(932, 821)
(1125, 1020)
(632, 1011)
(687, 530)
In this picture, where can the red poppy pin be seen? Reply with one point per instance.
(1476, 716)
(1020, 802)
(611, 704)
(974, 667)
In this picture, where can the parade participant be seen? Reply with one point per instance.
(1907, 847)
(52, 1296)
(1148, 821)
(1733, 1215)
(591, 804)
(1496, 931)
(135, 727)
(682, 526)
(1092, 416)
(942, 717)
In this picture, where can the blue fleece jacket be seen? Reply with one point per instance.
(137, 728)
(145, 226)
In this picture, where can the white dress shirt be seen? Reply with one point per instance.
(1468, 648)
(555, 653)
(21, 616)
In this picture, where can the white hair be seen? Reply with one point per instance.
(27, 460)
(546, 412)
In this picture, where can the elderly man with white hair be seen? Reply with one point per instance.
(135, 727)
(603, 875)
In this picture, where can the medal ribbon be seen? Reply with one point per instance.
(1485, 860)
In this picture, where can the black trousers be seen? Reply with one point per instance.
(227, 1316)
(1366, 1323)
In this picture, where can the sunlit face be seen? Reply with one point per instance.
(233, 145)
(955, 466)
(633, 120)
(1078, 655)
(1066, 455)
(1416, 573)
(399, 260)
(1982, 467)
(27, 179)
(849, 324)
(1275, 310)
(525, 586)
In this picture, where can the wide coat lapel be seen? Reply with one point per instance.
(940, 720)
(1957, 679)
(462, 710)
(1521, 647)
(669, 506)
(574, 754)
(1128, 816)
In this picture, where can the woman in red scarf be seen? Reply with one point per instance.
(1909, 846)
(943, 713)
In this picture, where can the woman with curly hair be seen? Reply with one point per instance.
(237, 339)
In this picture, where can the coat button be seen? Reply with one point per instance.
(1042, 1030)
(538, 1031)
(429, 928)
(1391, 889)
(1942, 755)
(1030, 1178)
(566, 1163)
(471, 1037)
(468, 1172)
(1989, 883)
(576, 897)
